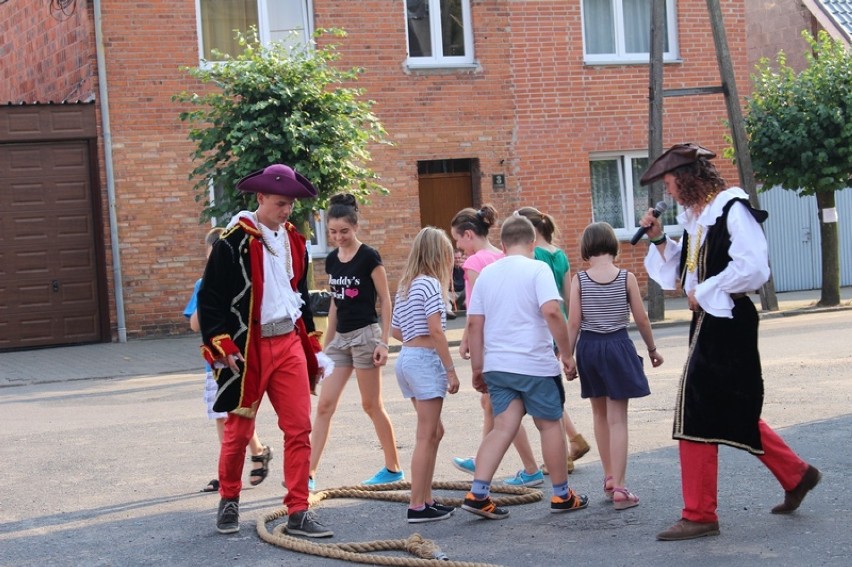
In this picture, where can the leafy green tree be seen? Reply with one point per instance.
(800, 136)
(278, 104)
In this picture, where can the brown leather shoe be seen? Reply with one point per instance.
(685, 529)
(793, 498)
(579, 447)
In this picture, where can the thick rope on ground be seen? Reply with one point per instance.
(425, 552)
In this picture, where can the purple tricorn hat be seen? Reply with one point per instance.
(673, 158)
(278, 179)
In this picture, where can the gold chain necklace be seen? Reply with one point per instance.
(694, 247)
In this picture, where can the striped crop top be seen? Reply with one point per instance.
(410, 313)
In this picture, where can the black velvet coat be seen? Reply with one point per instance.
(721, 391)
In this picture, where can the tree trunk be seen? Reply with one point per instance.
(829, 248)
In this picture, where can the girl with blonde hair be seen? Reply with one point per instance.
(424, 369)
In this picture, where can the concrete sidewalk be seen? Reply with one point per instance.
(176, 354)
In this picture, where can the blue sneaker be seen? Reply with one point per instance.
(524, 479)
(312, 484)
(384, 476)
(465, 465)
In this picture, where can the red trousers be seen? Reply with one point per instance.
(699, 466)
(284, 379)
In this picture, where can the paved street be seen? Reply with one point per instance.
(106, 472)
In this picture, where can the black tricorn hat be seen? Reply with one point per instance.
(673, 158)
(278, 179)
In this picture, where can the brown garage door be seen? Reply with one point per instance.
(48, 270)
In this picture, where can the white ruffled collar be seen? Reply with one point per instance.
(712, 211)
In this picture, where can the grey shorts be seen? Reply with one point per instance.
(354, 349)
(543, 396)
(420, 373)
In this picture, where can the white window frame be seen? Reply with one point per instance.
(320, 248)
(628, 206)
(437, 59)
(620, 57)
(263, 31)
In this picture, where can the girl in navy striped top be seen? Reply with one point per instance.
(602, 299)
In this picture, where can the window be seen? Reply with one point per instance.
(319, 237)
(619, 31)
(617, 196)
(276, 20)
(439, 33)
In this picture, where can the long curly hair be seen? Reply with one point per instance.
(697, 181)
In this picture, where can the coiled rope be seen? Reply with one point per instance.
(425, 551)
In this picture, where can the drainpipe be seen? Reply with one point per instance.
(110, 177)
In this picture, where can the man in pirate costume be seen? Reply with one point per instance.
(721, 258)
(258, 334)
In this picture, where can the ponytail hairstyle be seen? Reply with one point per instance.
(343, 206)
(480, 222)
(542, 222)
(431, 255)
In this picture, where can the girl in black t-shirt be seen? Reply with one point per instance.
(357, 338)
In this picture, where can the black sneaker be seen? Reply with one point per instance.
(573, 502)
(485, 508)
(427, 514)
(441, 508)
(228, 520)
(305, 523)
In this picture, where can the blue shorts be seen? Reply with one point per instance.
(420, 373)
(543, 396)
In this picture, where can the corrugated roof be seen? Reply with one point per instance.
(840, 11)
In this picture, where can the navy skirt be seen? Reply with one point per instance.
(609, 366)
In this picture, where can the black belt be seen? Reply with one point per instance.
(276, 328)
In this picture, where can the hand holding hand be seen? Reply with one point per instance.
(570, 367)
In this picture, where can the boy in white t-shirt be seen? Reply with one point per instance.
(514, 317)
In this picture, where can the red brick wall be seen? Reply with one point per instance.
(777, 25)
(45, 56)
(533, 104)
(531, 110)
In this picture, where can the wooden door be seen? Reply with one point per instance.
(48, 263)
(442, 195)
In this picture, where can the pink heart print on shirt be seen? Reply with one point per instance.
(351, 293)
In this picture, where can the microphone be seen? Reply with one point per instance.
(659, 209)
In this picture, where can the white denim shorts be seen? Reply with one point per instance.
(420, 373)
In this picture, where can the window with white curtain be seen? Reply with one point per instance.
(286, 21)
(619, 31)
(319, 236)
(617, 196)
(440, 33)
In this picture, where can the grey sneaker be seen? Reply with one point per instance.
(228, 520)
(305, 523)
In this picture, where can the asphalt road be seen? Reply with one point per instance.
(107, 472)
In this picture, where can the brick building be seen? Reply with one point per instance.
(540, 103)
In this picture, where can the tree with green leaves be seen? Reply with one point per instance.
(279, 104)
(800, 137)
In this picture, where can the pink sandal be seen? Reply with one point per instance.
(607, 489)
(630, 499)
